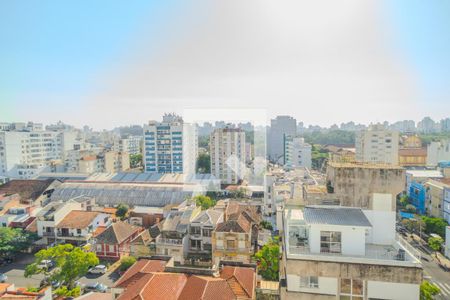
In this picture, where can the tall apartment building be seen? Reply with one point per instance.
(280, 127)
(170, 146)
(297, 153)
(24, 154)
(227, 150)
(377, 145)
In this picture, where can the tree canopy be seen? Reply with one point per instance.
(435, 243)
(122, 210)
(126, 262)
(435, 225)
(135, 160)
(204, 202)
(14, 240)
(428, 290)
(268, 260)
(70, 263)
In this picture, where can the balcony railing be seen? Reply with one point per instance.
(161, 240)
(373, 252)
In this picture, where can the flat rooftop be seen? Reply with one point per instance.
(332, 215)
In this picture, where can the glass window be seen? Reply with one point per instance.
(330, 241)
(309, 282)
(351, 289)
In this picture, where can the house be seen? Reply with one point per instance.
(114, 241)
(30, 191)
(8, 291)
(200, 233)
(78, 226)
(145, 216)
(235, 238)
(153, 279)
(335, 252)
(13, 213)
(173, 240)
(142, 245)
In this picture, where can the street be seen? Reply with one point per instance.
(15, 273)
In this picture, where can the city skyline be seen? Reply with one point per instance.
(370, 60)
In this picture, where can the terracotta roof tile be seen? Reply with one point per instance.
(78, 219)
(412, 152)
(244, 277)
(117, 233)
(241, 224)
(206, 288)
(141, 266)
(27, 189)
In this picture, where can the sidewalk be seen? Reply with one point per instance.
(441, 259)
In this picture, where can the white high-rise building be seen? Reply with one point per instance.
(131, 144)
(377, 145)
(297, 153)
(170, 146)
(280, 127)
(227, 149)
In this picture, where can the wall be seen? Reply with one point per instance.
(353, 238)
(389, 290)
(327, 285)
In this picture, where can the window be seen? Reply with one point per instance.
(231, 244)
(78, 231)
(195, 230)
(330, 242)
(207, 232)
(309, 282)
(352, 289)
(195, 244)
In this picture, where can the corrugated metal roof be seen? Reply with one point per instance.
(347, 216)
(133, 194)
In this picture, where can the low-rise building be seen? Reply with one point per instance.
(412, 157)
(446, 204)
(154, 279)
(200, 233)
(114, 241)
(347, 253)
(355, 183)
(173, 240)
(435, 192)
(235, 238)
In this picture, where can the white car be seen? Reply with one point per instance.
(99, 269)
(3, 277)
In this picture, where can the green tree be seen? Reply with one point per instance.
(435, 243)
(268, 260)
(122, 211)
(266, 225)
(435, 225)
(70, 263)
(14, 240)
(204, 201)
(414, 225)
(428, 290)
(135, 160)
(66, 292)
(126, 262)
(204, 163)
(403, 201)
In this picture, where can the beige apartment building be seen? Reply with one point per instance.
(377, 145)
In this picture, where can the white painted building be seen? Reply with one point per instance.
(227, 150)
(297, 153)
(346, 253)
(131, 144)
(377, 145)
(170, 146)
(437, 152)
(279, 127)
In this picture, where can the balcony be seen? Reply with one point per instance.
(166, 241)
(396, 254)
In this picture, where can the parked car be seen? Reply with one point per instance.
(97, 287)
(3, 277)
(99, 269)
(46, 264)
(56, 284)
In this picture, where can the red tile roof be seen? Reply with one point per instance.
(27, 189)
(78, 219)
(242, 280)
(117, 233)
(146, 280)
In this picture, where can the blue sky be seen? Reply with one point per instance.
(58, 57)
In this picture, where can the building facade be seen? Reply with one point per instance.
(170, 146)
(377, 145)
(297, 153)
(279, 127)
(347, 253)
(227, 150)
